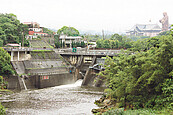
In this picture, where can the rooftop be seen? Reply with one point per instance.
(144, 27)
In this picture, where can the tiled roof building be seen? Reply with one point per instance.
(150, 30)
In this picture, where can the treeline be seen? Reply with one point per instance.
(11, 30)
(115, 42)
(144, 78)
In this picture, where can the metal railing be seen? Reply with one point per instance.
(95, 52)
(25, 49)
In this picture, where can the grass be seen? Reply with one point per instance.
(138, 112)
(5, 92)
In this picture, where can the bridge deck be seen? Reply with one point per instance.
(93, 53)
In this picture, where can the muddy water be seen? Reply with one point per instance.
(61, 100)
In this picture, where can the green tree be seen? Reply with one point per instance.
(82, 44)
(142, 79)
(99, 43)
(1, 43)
(106, 44)
(5, 65)
(11, 30)
(48, 31)
(69, 31)
(116, 37)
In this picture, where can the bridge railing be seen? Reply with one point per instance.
(25, 49)
(94, 52)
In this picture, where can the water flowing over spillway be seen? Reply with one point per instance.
(71, 99)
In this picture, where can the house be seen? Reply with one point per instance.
(68, 40)
(34, 30)
(150, 30)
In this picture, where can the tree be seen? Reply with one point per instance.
(69, 31)
(48, 31)
(5, 65)
(106, 44)
(1, 43)
(57, 44)
(99, 43)
(11, 30)
(142, 79)
(116, 37)
(82, 44)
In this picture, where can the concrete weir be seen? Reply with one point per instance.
(43, 69)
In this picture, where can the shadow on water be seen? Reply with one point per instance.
(71, 99)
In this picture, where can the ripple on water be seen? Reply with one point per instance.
(61, 100)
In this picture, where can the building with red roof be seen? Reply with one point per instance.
(34, 30)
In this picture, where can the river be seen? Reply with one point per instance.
(69, 99)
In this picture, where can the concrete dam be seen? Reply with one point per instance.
(39, 69)
(46, 67)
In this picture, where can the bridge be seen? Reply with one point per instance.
(85, 52)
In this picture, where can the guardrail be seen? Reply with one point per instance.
(95, 52)
(25, 49)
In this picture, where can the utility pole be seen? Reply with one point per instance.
(103, 34)
(22, 39)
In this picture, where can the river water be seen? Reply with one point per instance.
(69, 99)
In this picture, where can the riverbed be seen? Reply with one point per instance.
(69, 99)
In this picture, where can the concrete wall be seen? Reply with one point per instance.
(13, 82)
(36, 81)
(56, 70)
(54, 80)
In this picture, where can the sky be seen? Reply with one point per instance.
(116, 16)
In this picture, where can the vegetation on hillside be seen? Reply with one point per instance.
(115, 42)
(46, 30)
(11, 30)
(144, 78)
(5, 65)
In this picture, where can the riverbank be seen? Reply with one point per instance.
(2, 93)
(107, 106)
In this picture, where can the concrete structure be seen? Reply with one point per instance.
(39, 81)
(69, 39)
(34, 30)
(150, 30)
(47, 69)
(21, 53)
(38, 69)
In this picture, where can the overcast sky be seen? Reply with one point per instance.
(98, 15)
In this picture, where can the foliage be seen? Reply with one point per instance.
(135, 38)
(57, 44)
(137, 112)
(2, 110)
(1, 43)
(11, 30)
(3, 84)
(143, 79)
(114, 112)
(46, 30)
(115, 42)
(5, 65)
(69, 31)
(165, 33)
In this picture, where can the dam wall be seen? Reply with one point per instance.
(43, 69)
